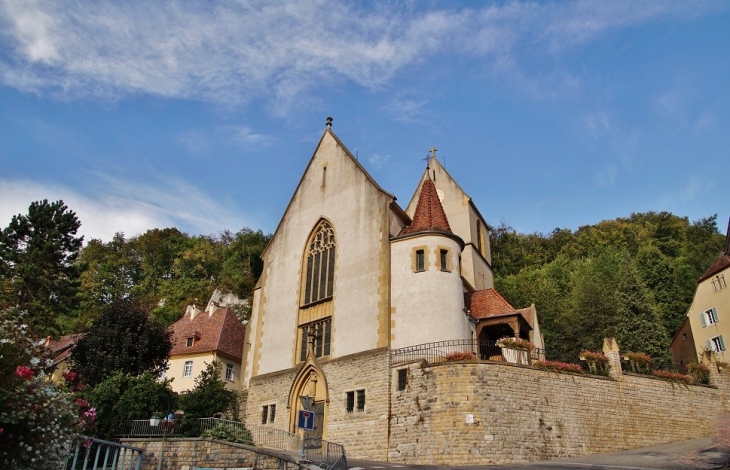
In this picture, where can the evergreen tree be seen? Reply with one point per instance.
(37, 272)
(639, 326)
(208, 398)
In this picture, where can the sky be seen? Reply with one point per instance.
(204, 115)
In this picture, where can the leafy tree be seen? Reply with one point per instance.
(37, 274)
(123, 397)
(124, 339)
(209, 397)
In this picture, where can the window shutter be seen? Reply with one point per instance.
(722, 343)
(714, 315)
(703, 319)
(710, 346)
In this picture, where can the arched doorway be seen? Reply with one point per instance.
(310, 382)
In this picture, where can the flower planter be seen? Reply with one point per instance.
(515, 356)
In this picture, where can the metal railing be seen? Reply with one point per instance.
(320, 451)
(467, 349)
(328, 453)
(142, 428)
(98, 454)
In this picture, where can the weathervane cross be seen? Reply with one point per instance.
(433, 152)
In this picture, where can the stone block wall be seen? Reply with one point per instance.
(494, 413)
(363, 433)
(189, 454)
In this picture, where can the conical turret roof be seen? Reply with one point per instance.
(429, 215)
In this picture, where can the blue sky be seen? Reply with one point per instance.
(203, 115)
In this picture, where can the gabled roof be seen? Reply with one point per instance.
(488, 303)
(722, 261)
(429, 215)
(219, 332)
(60, 349)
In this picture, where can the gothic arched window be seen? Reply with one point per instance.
(320, 266)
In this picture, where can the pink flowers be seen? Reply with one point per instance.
(558, 366)
(24, 372)
(81, 403)
(460, 356)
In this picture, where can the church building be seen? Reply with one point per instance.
(350, 276)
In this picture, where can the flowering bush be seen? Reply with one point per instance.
(515, 343)
(700, 373)
(460, 356)
(672, 376)
(638, 358)
(590, 356)
(555, 366)
(38, 420)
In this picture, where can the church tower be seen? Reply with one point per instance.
(427, 290)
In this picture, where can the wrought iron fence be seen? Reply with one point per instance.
(476, 350)
(143, 428)
(98, 454)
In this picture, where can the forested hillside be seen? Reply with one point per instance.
(630, 278)
(64, 287)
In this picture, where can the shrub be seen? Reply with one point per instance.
(555, 366)
(460, 356)
(700, 373)
(672, 376)
(228, 432)
(638, 358)
(38, 419)
(209, 397)
(597, 357)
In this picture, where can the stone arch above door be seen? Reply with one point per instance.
(309, 381)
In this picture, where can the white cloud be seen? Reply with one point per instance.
(246, 135)
(233, 52)
(607, 176)
(112, 205)
(377, 161)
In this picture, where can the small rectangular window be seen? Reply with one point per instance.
(361, 400)
(420, 260)
(264, 414)
(229, 371)
(189, 342)
(350, 402)
(188, 370)
(272, 413)
(444, 258)
(402, 379)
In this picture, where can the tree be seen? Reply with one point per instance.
(37, 272)
(123, 397)
(209, 397)
(124, 339)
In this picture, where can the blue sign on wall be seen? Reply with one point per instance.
(306, 420)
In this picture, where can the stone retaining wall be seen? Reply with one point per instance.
(189, 454)
(494, 413)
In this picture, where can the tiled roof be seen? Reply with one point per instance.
(218, 332)
(527, 313)
(721, 262)
(429, 213)
(61, 348)
(487, 303)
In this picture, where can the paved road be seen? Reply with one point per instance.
(698, 454)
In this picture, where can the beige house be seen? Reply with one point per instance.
(201, 337)
(709, 313)
(60, 353)
(350, 276)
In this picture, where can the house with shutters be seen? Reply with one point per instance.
(349, 277)
(708, 317)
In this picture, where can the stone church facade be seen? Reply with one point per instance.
(348, 277)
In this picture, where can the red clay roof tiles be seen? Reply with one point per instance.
(487, 303)
(429, 213)
(721, 262)
(219, 332)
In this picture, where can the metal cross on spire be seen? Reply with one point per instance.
(433, 152)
